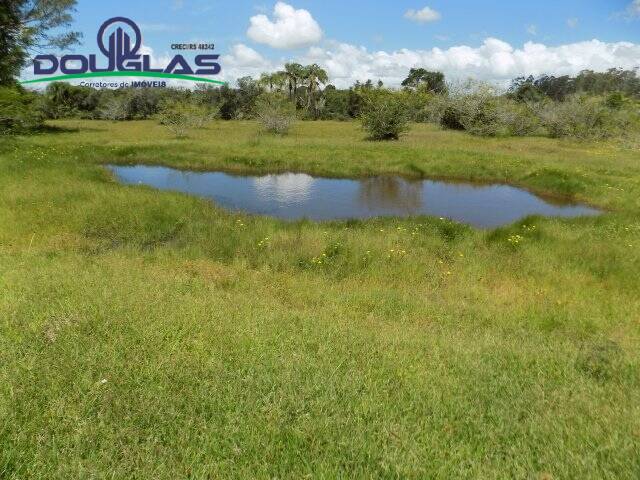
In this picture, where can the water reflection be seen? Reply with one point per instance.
(293, 195)
(393, 193)
(286, 187)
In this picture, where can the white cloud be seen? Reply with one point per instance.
(291, 28)
(532, 30)
(634, 8)
(494, 60)
(243, 56)
(242, 61)
(425, 15)
(572, 22)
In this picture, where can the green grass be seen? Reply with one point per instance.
(148, 334)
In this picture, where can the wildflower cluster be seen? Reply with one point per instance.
(331, 251)
(320, 259)
(396, 253)
(264, 243)
(632, 228)
(413, 232)
(515, 239)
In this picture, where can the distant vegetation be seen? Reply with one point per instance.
(591, 105)
(275, 113)
(384, 115)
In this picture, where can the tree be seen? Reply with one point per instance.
(524, 89)
(529, 89)
(275, 112)
(293, 72)
(421, 78)
(274, 82)
(556, 88)
(384, 115)
(314, 76)
(18, 111)
(65, 100)
(248, 92)
(32, 25)
(10, 54)
(613, 80)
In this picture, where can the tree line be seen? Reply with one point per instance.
(590, 104)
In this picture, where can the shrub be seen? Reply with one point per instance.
(384, 115)
(415, 102)
(113, 109)
(584, 117)
(475, 111)
(140, 104)
(442, 110)
(479, 115)
(517, 119)
(63, 100)
(19, 112)
(336, 104)
(129, 104)
(179, 117)
(275, 113)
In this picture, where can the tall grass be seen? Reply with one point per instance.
(150, 334)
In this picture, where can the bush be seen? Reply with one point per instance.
(63, 100)
(475, 110)
(275, 113)
(517, 119)
(415, 102)
(584, 117)
(336, 106)
(113, 108)
(444, 112)
(480, 111)
(384, 115)
(180, 117)
(19, 111)
(479, 114)
(129, 104)
(472, 106)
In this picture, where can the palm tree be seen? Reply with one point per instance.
(293, 73)
(265, 80)
(279, 80)
(314, 76)
(273, 81)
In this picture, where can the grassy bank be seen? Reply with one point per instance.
(148, 334)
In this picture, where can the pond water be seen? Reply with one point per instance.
(293, 196)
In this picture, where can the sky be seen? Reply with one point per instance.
(492, 40)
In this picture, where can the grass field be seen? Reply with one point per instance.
(148, 334)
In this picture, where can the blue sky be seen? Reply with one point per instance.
(355, 38)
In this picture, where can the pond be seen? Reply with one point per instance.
(294, 196)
